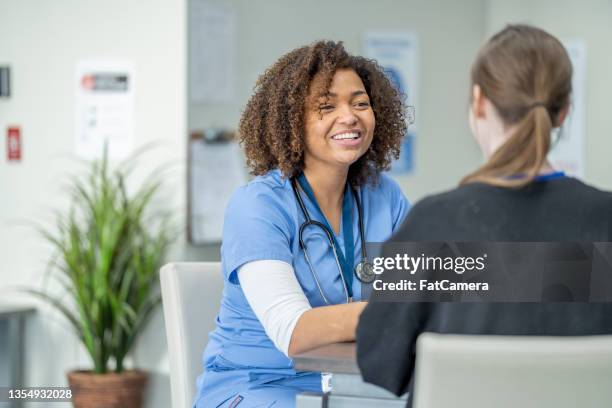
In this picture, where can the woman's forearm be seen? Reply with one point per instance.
(325, 325)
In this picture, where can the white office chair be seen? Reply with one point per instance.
(464, 371)
(191, 293)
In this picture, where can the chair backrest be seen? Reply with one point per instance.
(512, 371)
(191, 294)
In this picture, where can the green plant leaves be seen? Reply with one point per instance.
(109, 246)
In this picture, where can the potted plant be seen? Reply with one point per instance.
(110, 246)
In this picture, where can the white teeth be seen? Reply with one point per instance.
(346, 136)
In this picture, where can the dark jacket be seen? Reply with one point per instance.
(562, 209)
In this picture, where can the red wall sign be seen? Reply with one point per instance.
(13, 143)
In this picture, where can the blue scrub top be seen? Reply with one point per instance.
(262, 221)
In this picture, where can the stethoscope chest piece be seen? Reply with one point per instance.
(364, 271)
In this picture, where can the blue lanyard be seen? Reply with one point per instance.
(347, 259)
(550, 176)
(541, 177)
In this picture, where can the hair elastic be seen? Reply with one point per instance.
(536, 104)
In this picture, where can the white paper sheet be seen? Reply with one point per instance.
(217, 169)
(104, 108)
(211, 52)
(568, 154)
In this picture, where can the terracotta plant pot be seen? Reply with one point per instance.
(111, 390)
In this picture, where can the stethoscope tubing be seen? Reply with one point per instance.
(310, 222)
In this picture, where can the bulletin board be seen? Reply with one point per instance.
(215, 170)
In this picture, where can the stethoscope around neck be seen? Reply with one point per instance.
(364, 271)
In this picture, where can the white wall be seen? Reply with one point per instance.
(42, 40)
(590, 22)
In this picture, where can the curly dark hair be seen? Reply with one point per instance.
(272, 124)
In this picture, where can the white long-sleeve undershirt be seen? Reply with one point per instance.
(276, 297)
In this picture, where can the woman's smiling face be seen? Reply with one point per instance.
(338, 127)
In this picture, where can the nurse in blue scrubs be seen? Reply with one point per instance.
(318, 131)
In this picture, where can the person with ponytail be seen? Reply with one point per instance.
(520, 91)
(521, 86)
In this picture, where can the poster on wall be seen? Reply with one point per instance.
(568, 151)
(211, 52)
(397, 53)
(104, 111)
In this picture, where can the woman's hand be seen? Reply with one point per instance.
(325, 325)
